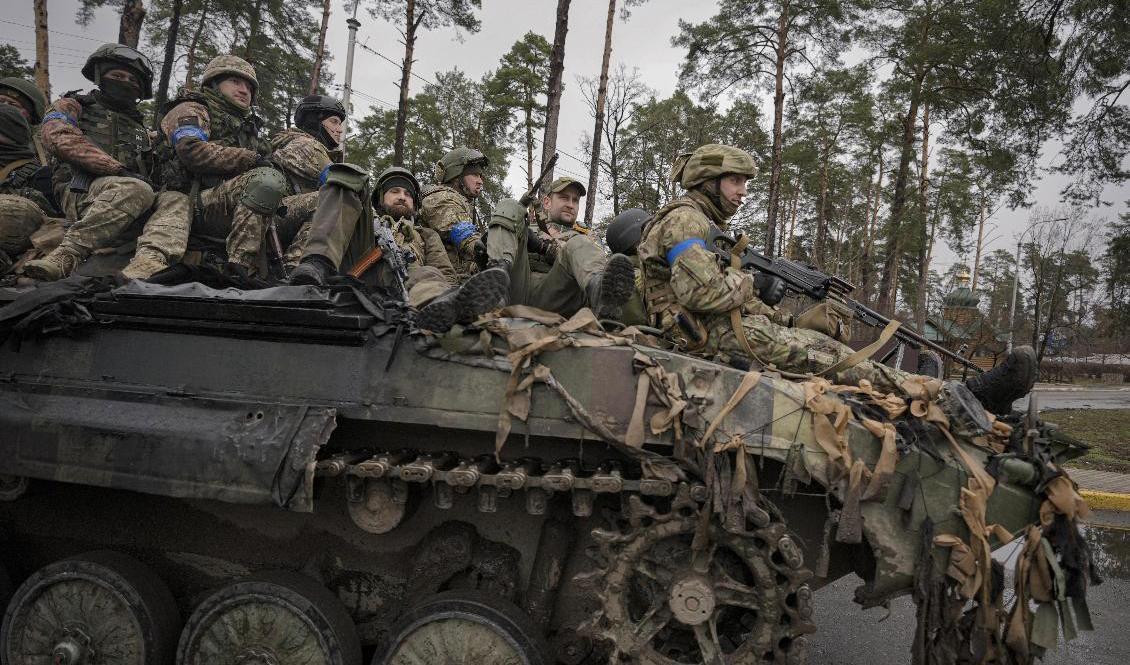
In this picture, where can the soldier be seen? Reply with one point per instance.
(559, 269)
(304, 153)
(623, 237)
(337, 240)
(716, 310)
(213, 152)
(23, 207)
(27, 98)
(449, 207)
(100, 146)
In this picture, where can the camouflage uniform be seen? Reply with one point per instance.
(681, 277)
(100, 139)
(557, 278)
(303, 160)
(211, 152)
(23, 208)
(452, 215)
(32, 101)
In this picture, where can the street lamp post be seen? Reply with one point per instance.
(347, 89)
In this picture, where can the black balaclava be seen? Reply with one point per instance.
(118, 95)
(15, 136)
(312, 125)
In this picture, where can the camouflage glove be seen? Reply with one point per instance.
(770, 288)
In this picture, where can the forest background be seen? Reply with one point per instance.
(902, 143)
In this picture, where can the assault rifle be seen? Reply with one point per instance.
(811, 282)
(386, 249)
(532, 195)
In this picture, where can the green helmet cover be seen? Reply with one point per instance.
(264, 191)
(28, 90)
(455, 163)
(711, 161)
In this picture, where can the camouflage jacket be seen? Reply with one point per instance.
(209, 138)
(81, 132)
(453, 216)
(424, 244)
(680, 275)
(302, 158)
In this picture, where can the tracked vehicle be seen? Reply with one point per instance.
(296, 475)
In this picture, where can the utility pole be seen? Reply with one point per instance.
(347, 87)
(1015, 288)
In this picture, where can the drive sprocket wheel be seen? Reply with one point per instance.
(274, 618)
(739, 598)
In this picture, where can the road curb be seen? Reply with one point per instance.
(1106, 500)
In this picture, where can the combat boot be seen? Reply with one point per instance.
(607, 292)
(481, 293)
(313, 270)
(144, 264)
(999, 387)
(60, 263)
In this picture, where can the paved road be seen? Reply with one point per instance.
(1086, 398)
(848, 636)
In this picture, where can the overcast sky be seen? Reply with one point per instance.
(643, 42)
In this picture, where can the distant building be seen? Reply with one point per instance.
(963, 328)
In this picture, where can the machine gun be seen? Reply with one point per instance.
(396, 259)
(811, 282)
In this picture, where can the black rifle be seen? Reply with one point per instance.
(396, 260)
(532, 195)
(811, 282)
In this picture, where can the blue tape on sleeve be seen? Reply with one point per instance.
(682, 247)
(460, 232)
(59, 115)
(324, 174)
(185, 131)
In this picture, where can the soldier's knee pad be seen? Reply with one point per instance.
(348, 176)
(508, 215)
(264, 190)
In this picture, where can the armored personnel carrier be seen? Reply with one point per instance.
(296, 475)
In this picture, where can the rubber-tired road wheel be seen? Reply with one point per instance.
(459, 627)
(101, 607)
(277, 618)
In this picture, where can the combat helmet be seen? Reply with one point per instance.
(125, 57)
(396, 173)
(625, 230)
(711, 161)
(456, 162)
(27, 90)
(230, 65)
(317, 106)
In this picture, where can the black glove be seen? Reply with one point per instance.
(263, 161)
(479, 253)
(770, 288)
(126, 173)
(535, 244)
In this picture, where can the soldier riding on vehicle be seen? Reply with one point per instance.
(449, 207)
(24, 191)
(101, 149)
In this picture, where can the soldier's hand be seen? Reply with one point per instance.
(770, 288)
(263, 161)
(479, 252)
(126, 173)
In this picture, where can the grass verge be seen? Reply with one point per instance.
(1106, 430)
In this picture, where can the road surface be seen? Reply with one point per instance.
(1078, 398)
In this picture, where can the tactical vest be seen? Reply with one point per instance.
(663, 308)
(120, 135)
(225, 128)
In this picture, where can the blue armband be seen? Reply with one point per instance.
(682, 247)
(460, 232)
(59, 115)
(324, 174)
(185, 131)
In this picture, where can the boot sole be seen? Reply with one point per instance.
(616, 285)
(481, 293)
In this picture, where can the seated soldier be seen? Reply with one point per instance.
(342, 239)
(213, 152)
(558, 269)
(26, 97)
(303, 153)
(23, 206)
(448, 208)
(712, 309)
(100, 145)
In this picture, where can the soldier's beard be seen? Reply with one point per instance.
(399, 211)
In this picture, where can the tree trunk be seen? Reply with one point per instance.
(927, 248)
(529, 148)
(553, 94)
(598, 131)
(819, 251)
(980, 242)
(778, 121)
(866, 270)
(320, 54)
(411, 23)
(254, 22)
(42, 50)
(190, 61)
(167, 63)
(129, 30)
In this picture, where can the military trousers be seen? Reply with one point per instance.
(294, 226)
(336, 234)
(19, 218)
(797, 350)
(563, 288)
(225, 218)
(104, 211)
(166, 231)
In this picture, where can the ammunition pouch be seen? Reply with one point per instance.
(350, 176)
(826, 318)
(264, 191)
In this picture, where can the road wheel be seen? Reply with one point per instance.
(464, 627)
(100, 607)
(278, 618)
(13, 487)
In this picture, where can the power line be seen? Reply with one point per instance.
(58, 32)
